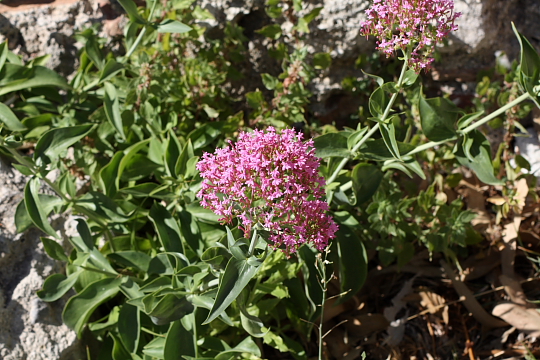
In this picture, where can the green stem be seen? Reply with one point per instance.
(141, 34)
(471, 127)
(374, 128)
(323, 301)
(429, 145)
(495, 114)
(194, 324)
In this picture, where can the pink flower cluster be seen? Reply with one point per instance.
(415, 25)
(269, 179)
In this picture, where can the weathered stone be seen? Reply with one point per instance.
(29, 328)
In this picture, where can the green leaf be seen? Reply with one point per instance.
(35, 209)
(378, 101)
(129, 324)
(9, 119)
(167, 228)
(366, 180)
(85, 243)
(388, 132)
(272, 31)
(155, 348)
(322, 61)
(54, 249)
(270, 82)
(172, 154)
(409, 78)
(119, 352)
(79, 308)
(165, 309)
(205, 134)
(303, 22)
(355, 137)
(235, 278)
(252, 324)
(102, 207)
(172, 26)
(55, 141)
(480, 151)
(352, 259)
(56, 285)
(377, 149)
(408, 166)
(112, 109)
(3, 53)
(529, 69)
(179, 341)
(94, 53)
(111, 68)
(466, 120)
(131, 9)
(15, 77)
(438, 117)
(133, 259)
(246, 346)
(108, 176)
(22, 218)
(331, 145)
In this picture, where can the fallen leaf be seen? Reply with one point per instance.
(527, 320)
(508, 253)
(514, 290)
(364, 325)
(497, 200)
(432, 302)
(469, 300)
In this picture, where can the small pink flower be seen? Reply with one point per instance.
(272, 180)
(415, 25)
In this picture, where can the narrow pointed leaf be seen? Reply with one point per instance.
(129, 324)
(9, 119)
(79, 308)
(479, 150)
(167, 228)
(35, 210)
(179, 342)
(237, 275)
(55, 141)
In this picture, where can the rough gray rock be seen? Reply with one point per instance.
(49, 30)
(30, 329)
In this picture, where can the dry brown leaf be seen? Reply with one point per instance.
(508, 253)
(522, 190)
(475, 267)
(514, 290)
(475, 199)
(433, 302)
(364, 325)
(470, 301)
(527, 320)
(497, 200)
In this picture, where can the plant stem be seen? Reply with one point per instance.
(471, 127)
(374, 128)
(141, 34)
(495, 113)
(429, 145)
(322, 266)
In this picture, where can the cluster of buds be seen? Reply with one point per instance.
(272, 180)
(413, 26)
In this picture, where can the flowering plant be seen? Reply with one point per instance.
(272, 180)
(413, 26)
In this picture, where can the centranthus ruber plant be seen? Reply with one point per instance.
(269, 180)
(412, 26)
